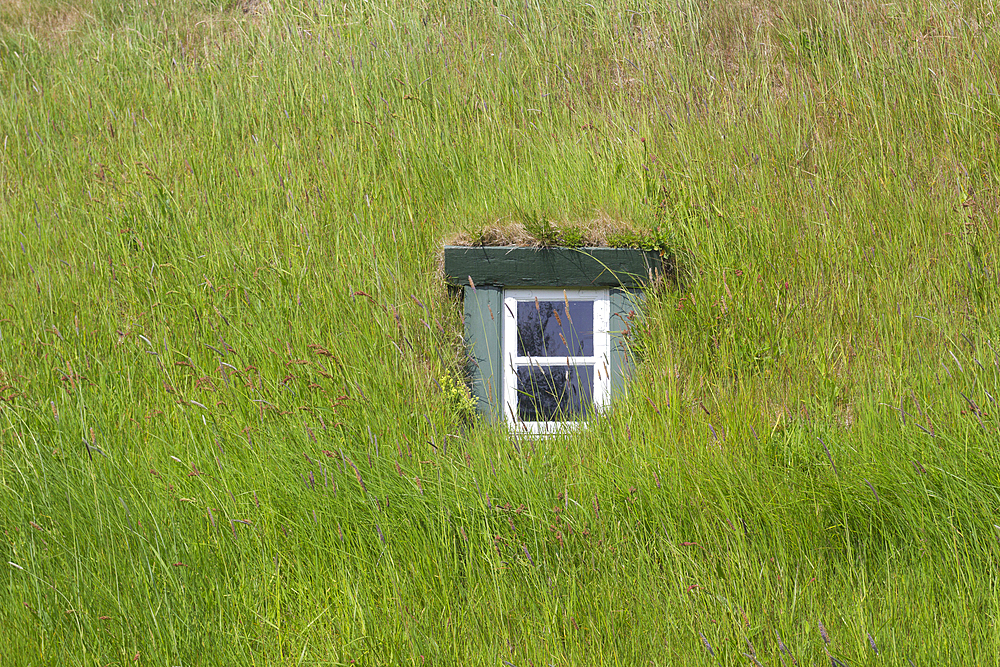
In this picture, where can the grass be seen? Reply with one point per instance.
(227, 435)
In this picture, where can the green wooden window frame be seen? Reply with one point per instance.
(486, 274)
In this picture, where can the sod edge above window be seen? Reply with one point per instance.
(550, 267)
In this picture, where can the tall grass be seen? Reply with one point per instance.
(223, 433)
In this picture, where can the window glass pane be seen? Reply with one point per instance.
(546, 329)
(554, 393)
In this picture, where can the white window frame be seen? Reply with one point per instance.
(601, 359)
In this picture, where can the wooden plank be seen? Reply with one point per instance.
(550, 267)
(623, 302)
(483, 319)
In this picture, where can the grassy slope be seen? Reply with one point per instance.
(196, 196)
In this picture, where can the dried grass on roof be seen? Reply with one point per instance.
(602, 231)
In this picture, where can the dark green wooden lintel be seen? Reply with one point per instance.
(550, 267)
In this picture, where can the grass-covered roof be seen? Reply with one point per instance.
(233, 426)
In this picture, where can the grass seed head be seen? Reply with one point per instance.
(708, 646)
(823, 633)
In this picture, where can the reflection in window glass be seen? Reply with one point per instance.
(554, 393)
(549, 329)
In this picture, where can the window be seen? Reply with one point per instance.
(545, 328)
(556, 346)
